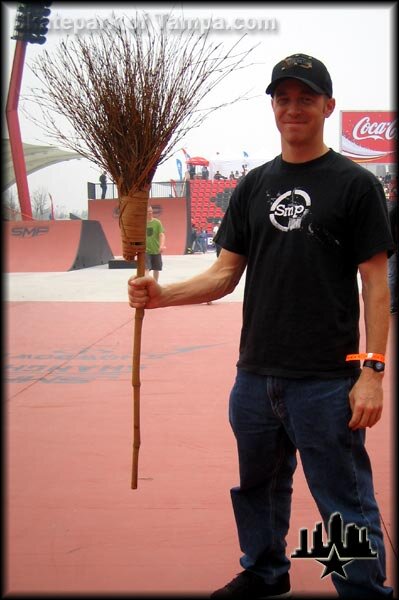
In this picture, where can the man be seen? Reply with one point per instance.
(204, 172)
(155, 245)
(103, 184)
(214, 231)
(302, 225)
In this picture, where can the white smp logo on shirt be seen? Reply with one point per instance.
(288, 209)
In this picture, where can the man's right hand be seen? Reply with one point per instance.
(144, 292)
(217, 281)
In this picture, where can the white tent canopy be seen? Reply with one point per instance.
(226, 165)
(36, 157)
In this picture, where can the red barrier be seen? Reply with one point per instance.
(33, 246)
(171, 211)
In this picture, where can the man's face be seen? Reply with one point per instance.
(300, 112)
(149, 214)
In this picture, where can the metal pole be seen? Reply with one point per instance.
(17, 150)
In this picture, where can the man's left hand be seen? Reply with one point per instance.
(366, 399)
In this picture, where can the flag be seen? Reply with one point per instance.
(245, 154)
(186, 154)
(52, 207)
(179, 168)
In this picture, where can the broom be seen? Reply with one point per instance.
(133, 92)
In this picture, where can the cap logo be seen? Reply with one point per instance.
(297, 61)
(307, 69)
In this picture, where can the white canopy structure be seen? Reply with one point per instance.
(36, 157)
(226, 165)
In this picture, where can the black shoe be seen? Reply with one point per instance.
(249, 586)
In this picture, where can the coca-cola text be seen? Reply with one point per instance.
(366, 129)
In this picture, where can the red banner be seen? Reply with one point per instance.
(369, 136)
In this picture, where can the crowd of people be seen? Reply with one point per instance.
(390, 185)
(199, 239)
(233, 174)
(199, 236)
(191, 173)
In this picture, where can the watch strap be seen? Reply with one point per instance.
(376, 365)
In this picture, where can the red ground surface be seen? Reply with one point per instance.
(73, 523)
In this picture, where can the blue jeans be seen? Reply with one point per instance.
(271, 419)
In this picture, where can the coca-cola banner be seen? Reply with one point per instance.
(369, 136)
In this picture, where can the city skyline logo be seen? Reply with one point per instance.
(344, 546)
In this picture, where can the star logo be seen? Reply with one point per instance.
(334, 564)
(344, 546)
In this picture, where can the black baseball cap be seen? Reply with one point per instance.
(304, 68)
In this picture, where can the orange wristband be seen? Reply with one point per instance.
(366, 356)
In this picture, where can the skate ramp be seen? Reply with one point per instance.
(33, 246)
(171, 211)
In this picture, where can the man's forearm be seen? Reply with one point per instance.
(376, 316)
(366, 396)
(205, 287)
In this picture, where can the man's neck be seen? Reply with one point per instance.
(302, 154)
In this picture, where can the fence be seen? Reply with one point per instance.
(160, 189)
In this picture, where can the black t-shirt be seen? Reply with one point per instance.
(304, 229)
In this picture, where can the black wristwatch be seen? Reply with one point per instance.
(376, 365)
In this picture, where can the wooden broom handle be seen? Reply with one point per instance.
(138, 323)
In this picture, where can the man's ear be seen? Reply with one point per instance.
(329, 108)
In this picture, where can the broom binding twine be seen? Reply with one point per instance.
(133, 224)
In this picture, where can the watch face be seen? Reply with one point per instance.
(376, 365)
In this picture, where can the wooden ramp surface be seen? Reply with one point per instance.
(73, 525)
